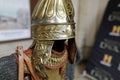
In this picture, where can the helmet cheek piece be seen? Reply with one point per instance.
(71, 50)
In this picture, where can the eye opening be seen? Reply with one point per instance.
(59, 45)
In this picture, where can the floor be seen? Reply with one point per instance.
(78, 72)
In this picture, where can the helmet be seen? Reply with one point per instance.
(53, 21)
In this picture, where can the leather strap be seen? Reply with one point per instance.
(22, 56)
(29, 64)
(20, 63)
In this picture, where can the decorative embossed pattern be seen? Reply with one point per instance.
(54, 32)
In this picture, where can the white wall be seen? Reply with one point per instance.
(88, 14)
(10, 47)
(88, 17)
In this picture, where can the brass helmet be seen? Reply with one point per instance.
(53, 20)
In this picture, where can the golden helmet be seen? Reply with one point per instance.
(53, 20)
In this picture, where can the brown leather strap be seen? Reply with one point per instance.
(29, 64)
(21, 63)
(22, 56)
